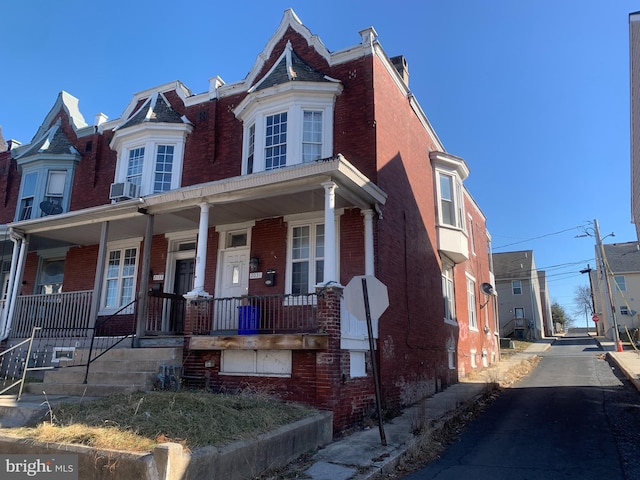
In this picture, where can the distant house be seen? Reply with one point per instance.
(623, 261)
(227, 223)
(523, 303)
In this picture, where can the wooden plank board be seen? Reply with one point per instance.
(302, 341)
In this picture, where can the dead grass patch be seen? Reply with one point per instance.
(139, 421)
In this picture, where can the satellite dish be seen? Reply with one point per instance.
(50, 208)
(488, 289)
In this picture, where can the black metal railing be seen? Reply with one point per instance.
(165, 313)
(253, 314)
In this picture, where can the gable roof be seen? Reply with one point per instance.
(69, 104)
(156, 109)
(623, 257)
(509, 265)
(288, 68)
(52, 142)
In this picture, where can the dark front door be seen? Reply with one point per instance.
(183, 283)
(185, 270)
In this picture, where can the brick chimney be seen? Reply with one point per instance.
(403, 68)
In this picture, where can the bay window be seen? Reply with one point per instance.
(45, 189)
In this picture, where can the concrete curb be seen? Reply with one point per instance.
(236, 461)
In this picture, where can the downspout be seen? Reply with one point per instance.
(17, 262)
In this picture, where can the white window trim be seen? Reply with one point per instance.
(173, 254)
(42, 169)
(472, 306)
(620, 286)
(458, 202)
(302, 220)
(472, 239)
(119, 245)
(446, 266)
(513, 288)
(295, 100)
(150, 136)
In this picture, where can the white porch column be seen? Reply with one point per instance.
(201, 254)
(369, 268)
(330, 249)
(18, 260)
(98, 280)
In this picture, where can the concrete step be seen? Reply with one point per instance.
(120, 370)
(102, 365)
(75, 375)
(167, 355)
(82, 390)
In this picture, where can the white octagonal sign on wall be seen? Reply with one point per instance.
(354, 297)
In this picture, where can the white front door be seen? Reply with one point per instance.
(235, 273)
(233, 284)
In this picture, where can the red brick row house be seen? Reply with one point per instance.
(228, 222)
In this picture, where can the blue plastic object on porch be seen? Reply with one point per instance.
(248, 319)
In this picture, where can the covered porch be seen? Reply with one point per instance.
(193, 213)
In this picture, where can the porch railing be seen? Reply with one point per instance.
(267, 314)
(68, 312)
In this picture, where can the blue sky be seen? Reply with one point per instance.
(533, 94)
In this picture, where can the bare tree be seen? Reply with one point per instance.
(583, 301)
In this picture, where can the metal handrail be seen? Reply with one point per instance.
(26, 369)
(93, 336)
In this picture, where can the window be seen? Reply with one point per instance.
(288, 124)
(120, 278)
(151, 153)
(307, 257)
(29, 182)
(275, 150)
(251, 147)
(55, 188)
(51, 276)
(4, 278)
(472, 241)
(451, 206)
(516, 287)
(44, 191)
(311, 136)
(471, 304)
(449, 294)
(624, 310)
(135, 166)
(621, 283)
(164, 167)
(155, 172)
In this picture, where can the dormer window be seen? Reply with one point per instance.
(46, 167)
(288, 116)
(150, 146)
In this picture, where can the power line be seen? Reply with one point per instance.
(537, 238)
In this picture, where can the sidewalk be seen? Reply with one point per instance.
(628, 361)
(361, 456)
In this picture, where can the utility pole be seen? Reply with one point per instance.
(603, 264)
(593, 302)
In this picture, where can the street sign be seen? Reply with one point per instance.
(595, 318)
(366, 297)
(354, 297)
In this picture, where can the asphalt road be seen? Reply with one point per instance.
(574, 416)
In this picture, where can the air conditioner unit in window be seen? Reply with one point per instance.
(124, 190)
